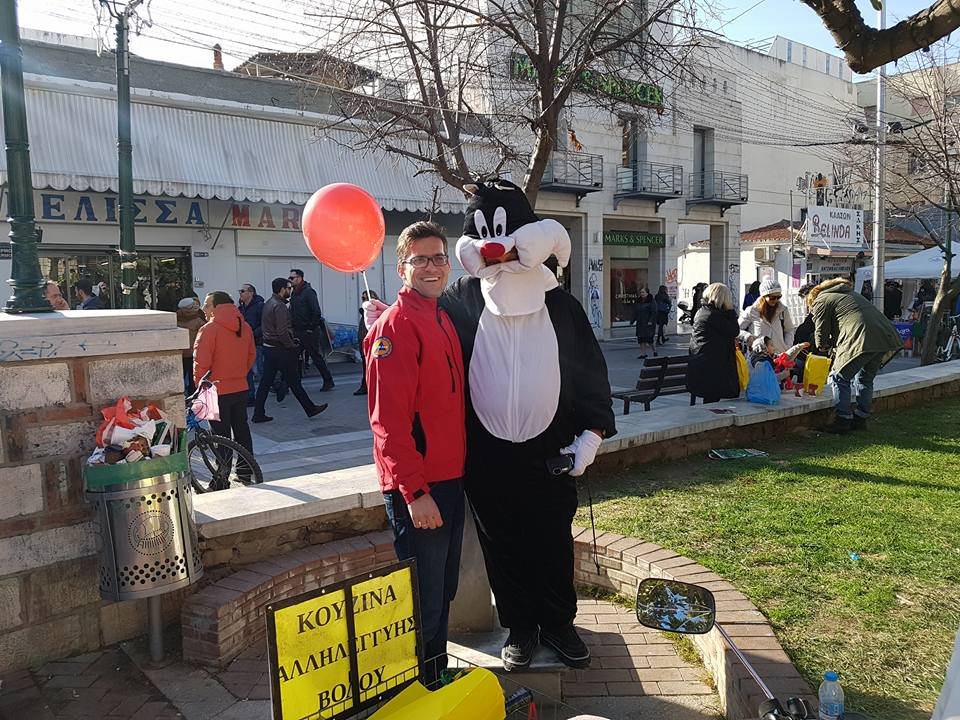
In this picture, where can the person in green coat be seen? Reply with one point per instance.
(862, 340)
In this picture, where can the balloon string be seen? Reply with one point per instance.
(366, 285)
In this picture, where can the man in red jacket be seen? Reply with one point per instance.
(415, 379)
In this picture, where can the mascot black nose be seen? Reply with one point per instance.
(492, 250)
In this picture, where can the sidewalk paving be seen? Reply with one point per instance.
(292, 445)
(103, 685)
(635, 675)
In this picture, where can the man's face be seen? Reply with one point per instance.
(297, 280)
(285, 292)
(208, 307)
(245, 295)
(52, 293)
(431, 279)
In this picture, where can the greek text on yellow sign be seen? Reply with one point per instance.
(314, 648)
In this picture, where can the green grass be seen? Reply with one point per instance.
(784, 529)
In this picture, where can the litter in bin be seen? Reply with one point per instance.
(128, 434)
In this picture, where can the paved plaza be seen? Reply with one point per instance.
(293, 445)
(635, 674)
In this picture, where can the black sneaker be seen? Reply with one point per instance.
(567, 644)
(261, 418)
(327, 386)
(281, 393)
(518, 650)
(317, 409)
(858, 423)
(839, 426)
(360, 391)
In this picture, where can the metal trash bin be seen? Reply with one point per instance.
(149, 533)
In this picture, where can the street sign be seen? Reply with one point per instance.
(340, 649)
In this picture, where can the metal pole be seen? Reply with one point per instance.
(156, 628)
(25, 278)
(879, 176)
(128, 247)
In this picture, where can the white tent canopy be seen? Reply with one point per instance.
(923, 265)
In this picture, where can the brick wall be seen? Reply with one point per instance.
(52, 387)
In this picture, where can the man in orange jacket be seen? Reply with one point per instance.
(224, 346)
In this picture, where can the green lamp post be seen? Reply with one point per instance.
(25, 277)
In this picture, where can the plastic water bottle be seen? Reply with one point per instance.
(831, 697)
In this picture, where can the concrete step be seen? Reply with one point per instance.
(544, 676)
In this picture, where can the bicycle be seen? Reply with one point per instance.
(950, 350)
(216, 461)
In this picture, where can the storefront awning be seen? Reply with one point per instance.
(223, 151)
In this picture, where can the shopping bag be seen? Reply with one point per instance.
(816, 369)
(763, 388)
(743, 370)
(206, 406)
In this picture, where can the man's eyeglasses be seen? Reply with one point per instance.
(421, 261)
(293, 277)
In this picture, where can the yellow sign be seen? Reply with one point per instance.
(326, 651)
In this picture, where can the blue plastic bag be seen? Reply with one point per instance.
(763, 388)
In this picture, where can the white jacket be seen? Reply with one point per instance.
(779, 330)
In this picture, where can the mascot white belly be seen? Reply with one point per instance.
(515, 374)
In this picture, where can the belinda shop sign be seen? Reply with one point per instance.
(835, 228)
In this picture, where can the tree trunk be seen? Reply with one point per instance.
(536, 167)
(942, 305)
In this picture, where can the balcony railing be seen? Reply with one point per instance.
(722, 188)
(574, 170)
(656, 181)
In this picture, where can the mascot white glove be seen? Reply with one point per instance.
(584, 451)
(759, 346)
(372, 309)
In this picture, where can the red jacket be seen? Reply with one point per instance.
(416, 396)
(220, 349)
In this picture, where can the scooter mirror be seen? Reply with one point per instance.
(675, 606)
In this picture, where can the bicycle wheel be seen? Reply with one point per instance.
(218, 463)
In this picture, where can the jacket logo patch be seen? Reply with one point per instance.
(381, 347)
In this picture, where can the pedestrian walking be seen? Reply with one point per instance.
(862, 340)
(251, 307)
(280, 351)
(892, 299)
(224, 348)
(308, 324)
(84, 290)
(645, 317)
(768, 317)
(697, 300)
(361, 334)
(664, 304)
(191, 319)
(712, 372)
(419, 428)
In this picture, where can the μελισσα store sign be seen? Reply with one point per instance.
(340, 649)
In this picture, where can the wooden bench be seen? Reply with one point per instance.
(658, 376)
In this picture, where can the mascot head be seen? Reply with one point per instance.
(500, 228)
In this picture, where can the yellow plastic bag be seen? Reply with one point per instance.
(743, 370)
(477, 695)
(816, 370)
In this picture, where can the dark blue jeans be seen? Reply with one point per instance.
(437, 553)
(256, 372)
(861, 370)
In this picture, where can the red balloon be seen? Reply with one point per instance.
(343, 227)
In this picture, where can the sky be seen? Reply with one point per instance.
(184, 31)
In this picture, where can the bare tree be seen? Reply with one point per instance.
(470, 88)
(867, 48)
(922, 163)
